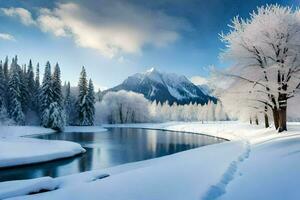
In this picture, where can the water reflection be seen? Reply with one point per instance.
(105, 149)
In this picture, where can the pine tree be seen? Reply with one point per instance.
(56, 111)
(69, 105)
(2, 87)
(15, 106)
(56, 85)
(23, 86)
(56, 116)
(30, 85)
(91, 103)
(37, 89)
(46, 95)
(81, 101)
(5, 70)
(37, 77)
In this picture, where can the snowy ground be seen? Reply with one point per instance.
(257, 164)
(17, 150)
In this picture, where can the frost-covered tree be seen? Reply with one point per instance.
(266, 48)
(46, 96)
(220, 115)
(123, 107)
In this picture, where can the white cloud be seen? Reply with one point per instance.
(198, 80)
(6, 36)
(22, 14)
(111, 28)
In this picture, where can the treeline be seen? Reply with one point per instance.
(23, 97)
(130, 107)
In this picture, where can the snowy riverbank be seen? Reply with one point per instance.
(257, 164)
(17, 150)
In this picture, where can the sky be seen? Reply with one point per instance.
(114, 39)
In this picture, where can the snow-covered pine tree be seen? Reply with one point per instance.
(91, 103)
(30, 85)
(46, 96)
(68, 103)
(6, 70)
(14, 88)
(23, 86)
(82, 105)
(2, 87)
(56, 119)
(56, 110)
(37, 89)
(56, 85)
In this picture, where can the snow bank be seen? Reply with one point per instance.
(17, 188)
(15, 131)
(20, 151)
(17, 150)
(185, 175)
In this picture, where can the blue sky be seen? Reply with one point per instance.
(117, 38)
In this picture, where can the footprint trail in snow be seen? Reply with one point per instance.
(217, 190)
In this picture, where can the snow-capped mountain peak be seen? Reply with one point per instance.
(160, 86)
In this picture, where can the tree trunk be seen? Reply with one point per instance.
(250, 120)
(276, 118)
(266, 121)
(266, 116)
(282, 112)
(282, 120)
(256, 120)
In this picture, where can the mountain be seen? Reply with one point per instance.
(206, 89)
(162, 87)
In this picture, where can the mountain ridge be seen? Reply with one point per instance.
(162, 87)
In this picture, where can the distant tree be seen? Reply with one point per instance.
(124, 107)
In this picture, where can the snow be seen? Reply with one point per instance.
(14, 131)
(257, 164)
(17, 150)
(23, 187)
(20, 151)
(174, 93)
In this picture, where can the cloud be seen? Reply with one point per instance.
(6, 36)
(198, 80)
(111, 27)
(22, 14)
